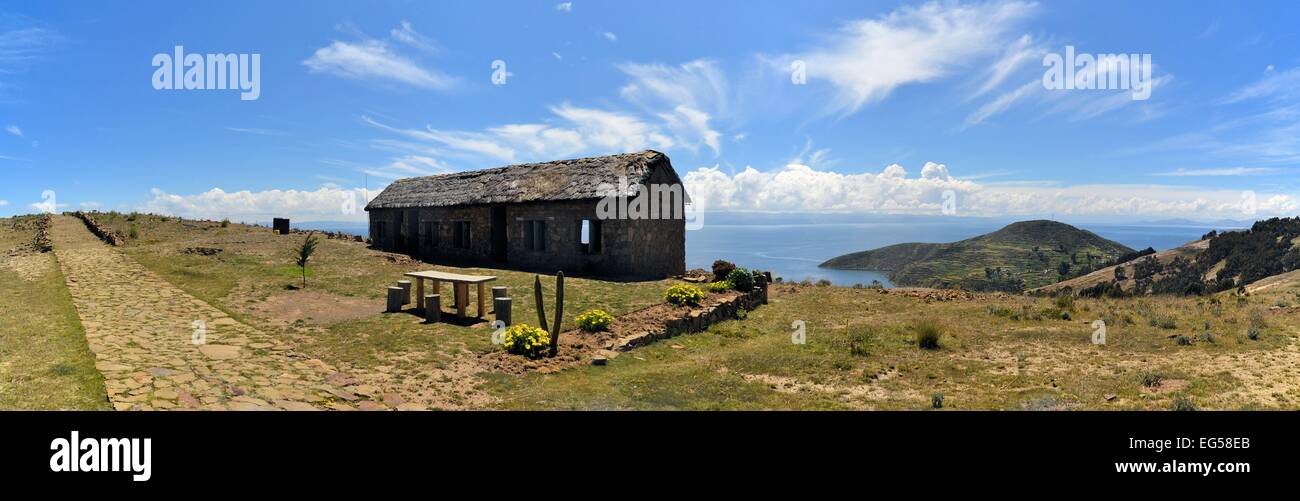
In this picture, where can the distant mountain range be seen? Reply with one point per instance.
(1021, 256)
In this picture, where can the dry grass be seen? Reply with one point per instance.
(45, 362)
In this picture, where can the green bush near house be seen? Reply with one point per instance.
(741, 279)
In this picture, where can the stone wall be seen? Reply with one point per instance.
(698, 320)
(628, 248)
(109, 236)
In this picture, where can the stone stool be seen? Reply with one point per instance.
(406, 288)
(394, 299)
(433, 308)
(501, 307)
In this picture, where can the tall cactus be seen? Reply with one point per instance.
(559, 309)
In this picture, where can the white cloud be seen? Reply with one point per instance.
(13, 129)
(406, 34)
(798, 187)
(1275, 84)
(1225, 171)
(575, 130)
(564, 6)
(699, 84)
(1002, 103)
(374, 60)
(4, 203)
(257, 131)
(25, 44)
(609, 35)
(1020, 52)
(324, 204)
(867, 59)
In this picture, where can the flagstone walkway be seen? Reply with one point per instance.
(145, 334)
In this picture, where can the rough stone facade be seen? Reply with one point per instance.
(627, 248)
(531, 216)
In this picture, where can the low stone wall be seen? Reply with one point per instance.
(698, 320)
(41, 240)
(109, 237)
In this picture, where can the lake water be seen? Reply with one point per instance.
(792, 246)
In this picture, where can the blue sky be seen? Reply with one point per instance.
(903, 101)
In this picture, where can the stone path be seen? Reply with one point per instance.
(142, 329)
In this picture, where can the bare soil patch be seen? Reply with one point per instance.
(313, 307)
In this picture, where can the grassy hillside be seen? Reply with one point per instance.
(863, 348)
(1217, 262)
(1023, 255)
(45, 363)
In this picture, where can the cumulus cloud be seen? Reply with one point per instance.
(373, 59)
(797, 187)
(609, 35)
(564, 6)
(867, 59)
(13, 129)
(329, 203)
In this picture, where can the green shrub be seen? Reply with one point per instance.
(1252, 333)
(936, 401)
(1182, 403)
(1152, 379)
(1183, 340)
(721, 269)
(1163, 322)
(595, 321)
(823, 283)
(133, 232)
(927, 335)
(684, 295)
(1206, 337)
(860, 338)
(720, 286)
(524, 339)
(225, 223)
(741, 279)
(1064, 302)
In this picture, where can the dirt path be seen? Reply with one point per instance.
(141, 330)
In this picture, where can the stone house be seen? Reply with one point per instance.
(581, 216)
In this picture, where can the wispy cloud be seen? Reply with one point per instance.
(609, 35)
(1222, 171)
(257, 131)
(1274, 85)
(406, 34)
(13, 129)
(564, 6)
(374, 59)
(868, 59)
(25, 44)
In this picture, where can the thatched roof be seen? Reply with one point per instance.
(576, 179)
